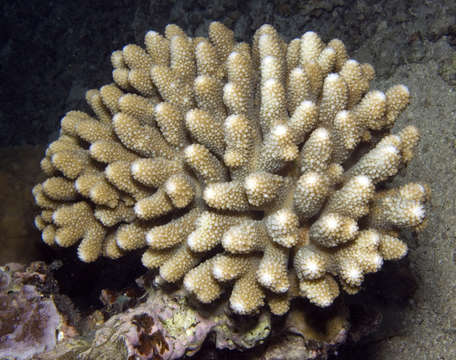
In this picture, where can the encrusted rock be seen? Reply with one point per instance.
(30, 322)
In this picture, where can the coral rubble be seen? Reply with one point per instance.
(256, 168)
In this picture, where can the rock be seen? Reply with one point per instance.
(167, 325)
(30, 322)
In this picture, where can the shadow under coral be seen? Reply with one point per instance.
(84, 282)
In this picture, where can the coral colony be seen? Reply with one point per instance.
(236, 167)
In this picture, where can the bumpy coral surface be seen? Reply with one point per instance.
(253, 170)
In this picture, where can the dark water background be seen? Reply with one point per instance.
(53, 51)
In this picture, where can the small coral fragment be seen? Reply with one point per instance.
(181, 262)
(173, 233)
(239, 141)
(398, 208)
(75, 222)
(59, 188)
(247, 296)
(210, 228)
(321, 292)
(154, 172)
(333, 229)
(311, 192)
(247, 237)
(227, 195)
(206, 165)
(153, 206)
(200, 281)
(131, 236)
(353, 198)
(309, 264)
(392, 248)
(262, 187)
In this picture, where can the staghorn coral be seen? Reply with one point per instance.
(236, 166)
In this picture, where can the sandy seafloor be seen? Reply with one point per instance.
(52, 52)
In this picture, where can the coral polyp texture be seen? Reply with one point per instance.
(252, 172)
